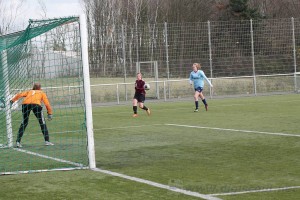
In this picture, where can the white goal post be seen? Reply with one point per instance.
(87, 93)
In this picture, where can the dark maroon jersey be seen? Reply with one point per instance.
(139, 86)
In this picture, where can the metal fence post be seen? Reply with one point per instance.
(167, 56)
(118, 96)
(253, 59)
(294, 55)
(210, 56)
(165, 95)
(124, 60)
(70, 96)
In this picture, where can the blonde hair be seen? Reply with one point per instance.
(198, 65)
(36, 86)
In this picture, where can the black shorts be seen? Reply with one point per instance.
(199, 89)
(139, 97)
(37, 111)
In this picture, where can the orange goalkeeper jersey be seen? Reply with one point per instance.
(34, 97)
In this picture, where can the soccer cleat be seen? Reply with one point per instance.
(206, 107)
(19, 145)
(196, 110)
(134, 115)
(47, 143)
(148, 112)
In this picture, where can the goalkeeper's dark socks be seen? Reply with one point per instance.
(145, 108)
(196, 104)
(135, 109)
(204, 101)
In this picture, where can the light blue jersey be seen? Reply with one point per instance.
(198, 79)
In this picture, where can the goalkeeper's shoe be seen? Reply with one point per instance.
(19, 145)
(47, 143)
(206, 107)
(196, 110)
(134, 115)
(148, 112)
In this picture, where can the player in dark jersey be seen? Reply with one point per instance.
(139, 95)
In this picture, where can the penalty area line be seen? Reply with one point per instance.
(235, 130)
(256, 191)
(158, 185)
(126, 127)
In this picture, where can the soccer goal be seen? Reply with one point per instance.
(150, 71)
(54, 53)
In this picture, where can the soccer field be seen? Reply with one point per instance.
(242, 148)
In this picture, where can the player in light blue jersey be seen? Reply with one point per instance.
(197, 77)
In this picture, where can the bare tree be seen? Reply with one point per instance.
(277, 8)
(43, 8)
(9, 12)
(140, 21)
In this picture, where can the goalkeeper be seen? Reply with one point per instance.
(139, 95)
(197, 77)
(32, 102)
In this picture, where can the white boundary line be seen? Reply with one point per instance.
(174, 189)
(159, 185)
(254, 191)
(78, 165)
(167, 187)
(49, 157)
(187, 192)
(42, 170)
(245, 131)
(236, 130)
(122, 127)
(98, 129)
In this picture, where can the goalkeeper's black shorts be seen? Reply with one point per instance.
(139, 97)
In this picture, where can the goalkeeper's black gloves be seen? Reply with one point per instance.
(11, 103)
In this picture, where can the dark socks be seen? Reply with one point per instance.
(196, 104)
(134, 109)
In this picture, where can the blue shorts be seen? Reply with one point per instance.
(199, 89)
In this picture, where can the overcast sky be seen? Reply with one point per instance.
(54, 9)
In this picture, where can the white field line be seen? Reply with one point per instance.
(215, 105)
(255, 191)
(95, 129)
(49, 157)
(125, 127)
(174, 189)
(158, 185)
(245, 131)
(236, 130)
(43, 170)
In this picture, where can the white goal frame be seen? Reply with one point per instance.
(87, 101)
(87, 91)
(9, 133)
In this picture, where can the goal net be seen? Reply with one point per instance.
(51, 52)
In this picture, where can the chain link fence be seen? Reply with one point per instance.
(240, 57)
